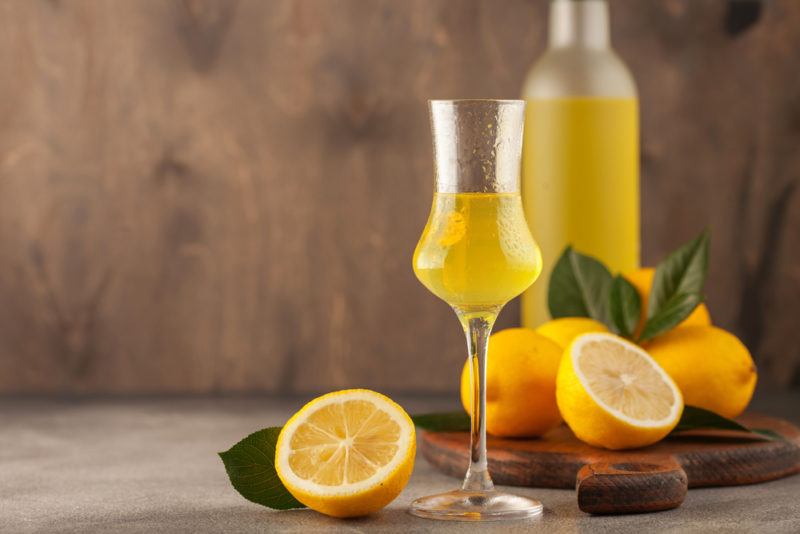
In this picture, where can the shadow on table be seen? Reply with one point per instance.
(247, 518)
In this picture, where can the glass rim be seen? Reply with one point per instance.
(470, 100)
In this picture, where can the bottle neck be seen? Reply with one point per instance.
(579, 23)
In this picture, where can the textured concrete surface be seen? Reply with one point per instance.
(150, 465)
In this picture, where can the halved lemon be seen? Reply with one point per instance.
(612, 394)
(347, 453)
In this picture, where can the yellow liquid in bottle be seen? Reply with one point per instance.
(476, 250)
(580, 185)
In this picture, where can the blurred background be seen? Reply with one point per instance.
(224, 196)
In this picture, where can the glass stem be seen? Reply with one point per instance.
(478, 327)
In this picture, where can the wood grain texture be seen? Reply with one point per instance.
(625, 488)
(201, 196)
(707, 458)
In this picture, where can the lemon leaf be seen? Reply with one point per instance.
(251, 469)
(695, 418)
(683, 271)
(443, 421)
(579, 287)
(624, 305)
(671, 314)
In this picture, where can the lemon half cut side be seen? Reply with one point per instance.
(612, 394)
(347, 453)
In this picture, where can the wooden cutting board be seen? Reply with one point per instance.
(641, 480)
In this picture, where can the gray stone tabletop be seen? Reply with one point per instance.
(150, 465)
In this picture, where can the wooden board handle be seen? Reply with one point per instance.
(631, 487)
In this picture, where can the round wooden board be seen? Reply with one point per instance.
(708, 458)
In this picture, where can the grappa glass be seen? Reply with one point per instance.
(476, 253)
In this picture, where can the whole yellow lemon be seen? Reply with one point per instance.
(642, 280)
(520, 384)
(712, 368)
(565, 329)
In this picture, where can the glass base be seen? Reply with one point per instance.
(462, 505)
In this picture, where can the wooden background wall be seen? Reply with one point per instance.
(204, 196)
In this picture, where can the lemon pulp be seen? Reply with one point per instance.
(625, 381)
(343, 443)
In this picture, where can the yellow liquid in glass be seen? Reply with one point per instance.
(476, 250)
(580, 184)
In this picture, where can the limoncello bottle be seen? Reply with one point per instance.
(580, 165)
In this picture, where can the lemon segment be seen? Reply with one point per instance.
(612, 394)
(347, 453)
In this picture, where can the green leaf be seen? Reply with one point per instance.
(443, 422)
(671, 314)
(683, 271)
(695, 418)
(624, 306)
(251, 468)
(767, 433)
(579, 287)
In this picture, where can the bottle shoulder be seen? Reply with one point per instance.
(579, 72)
